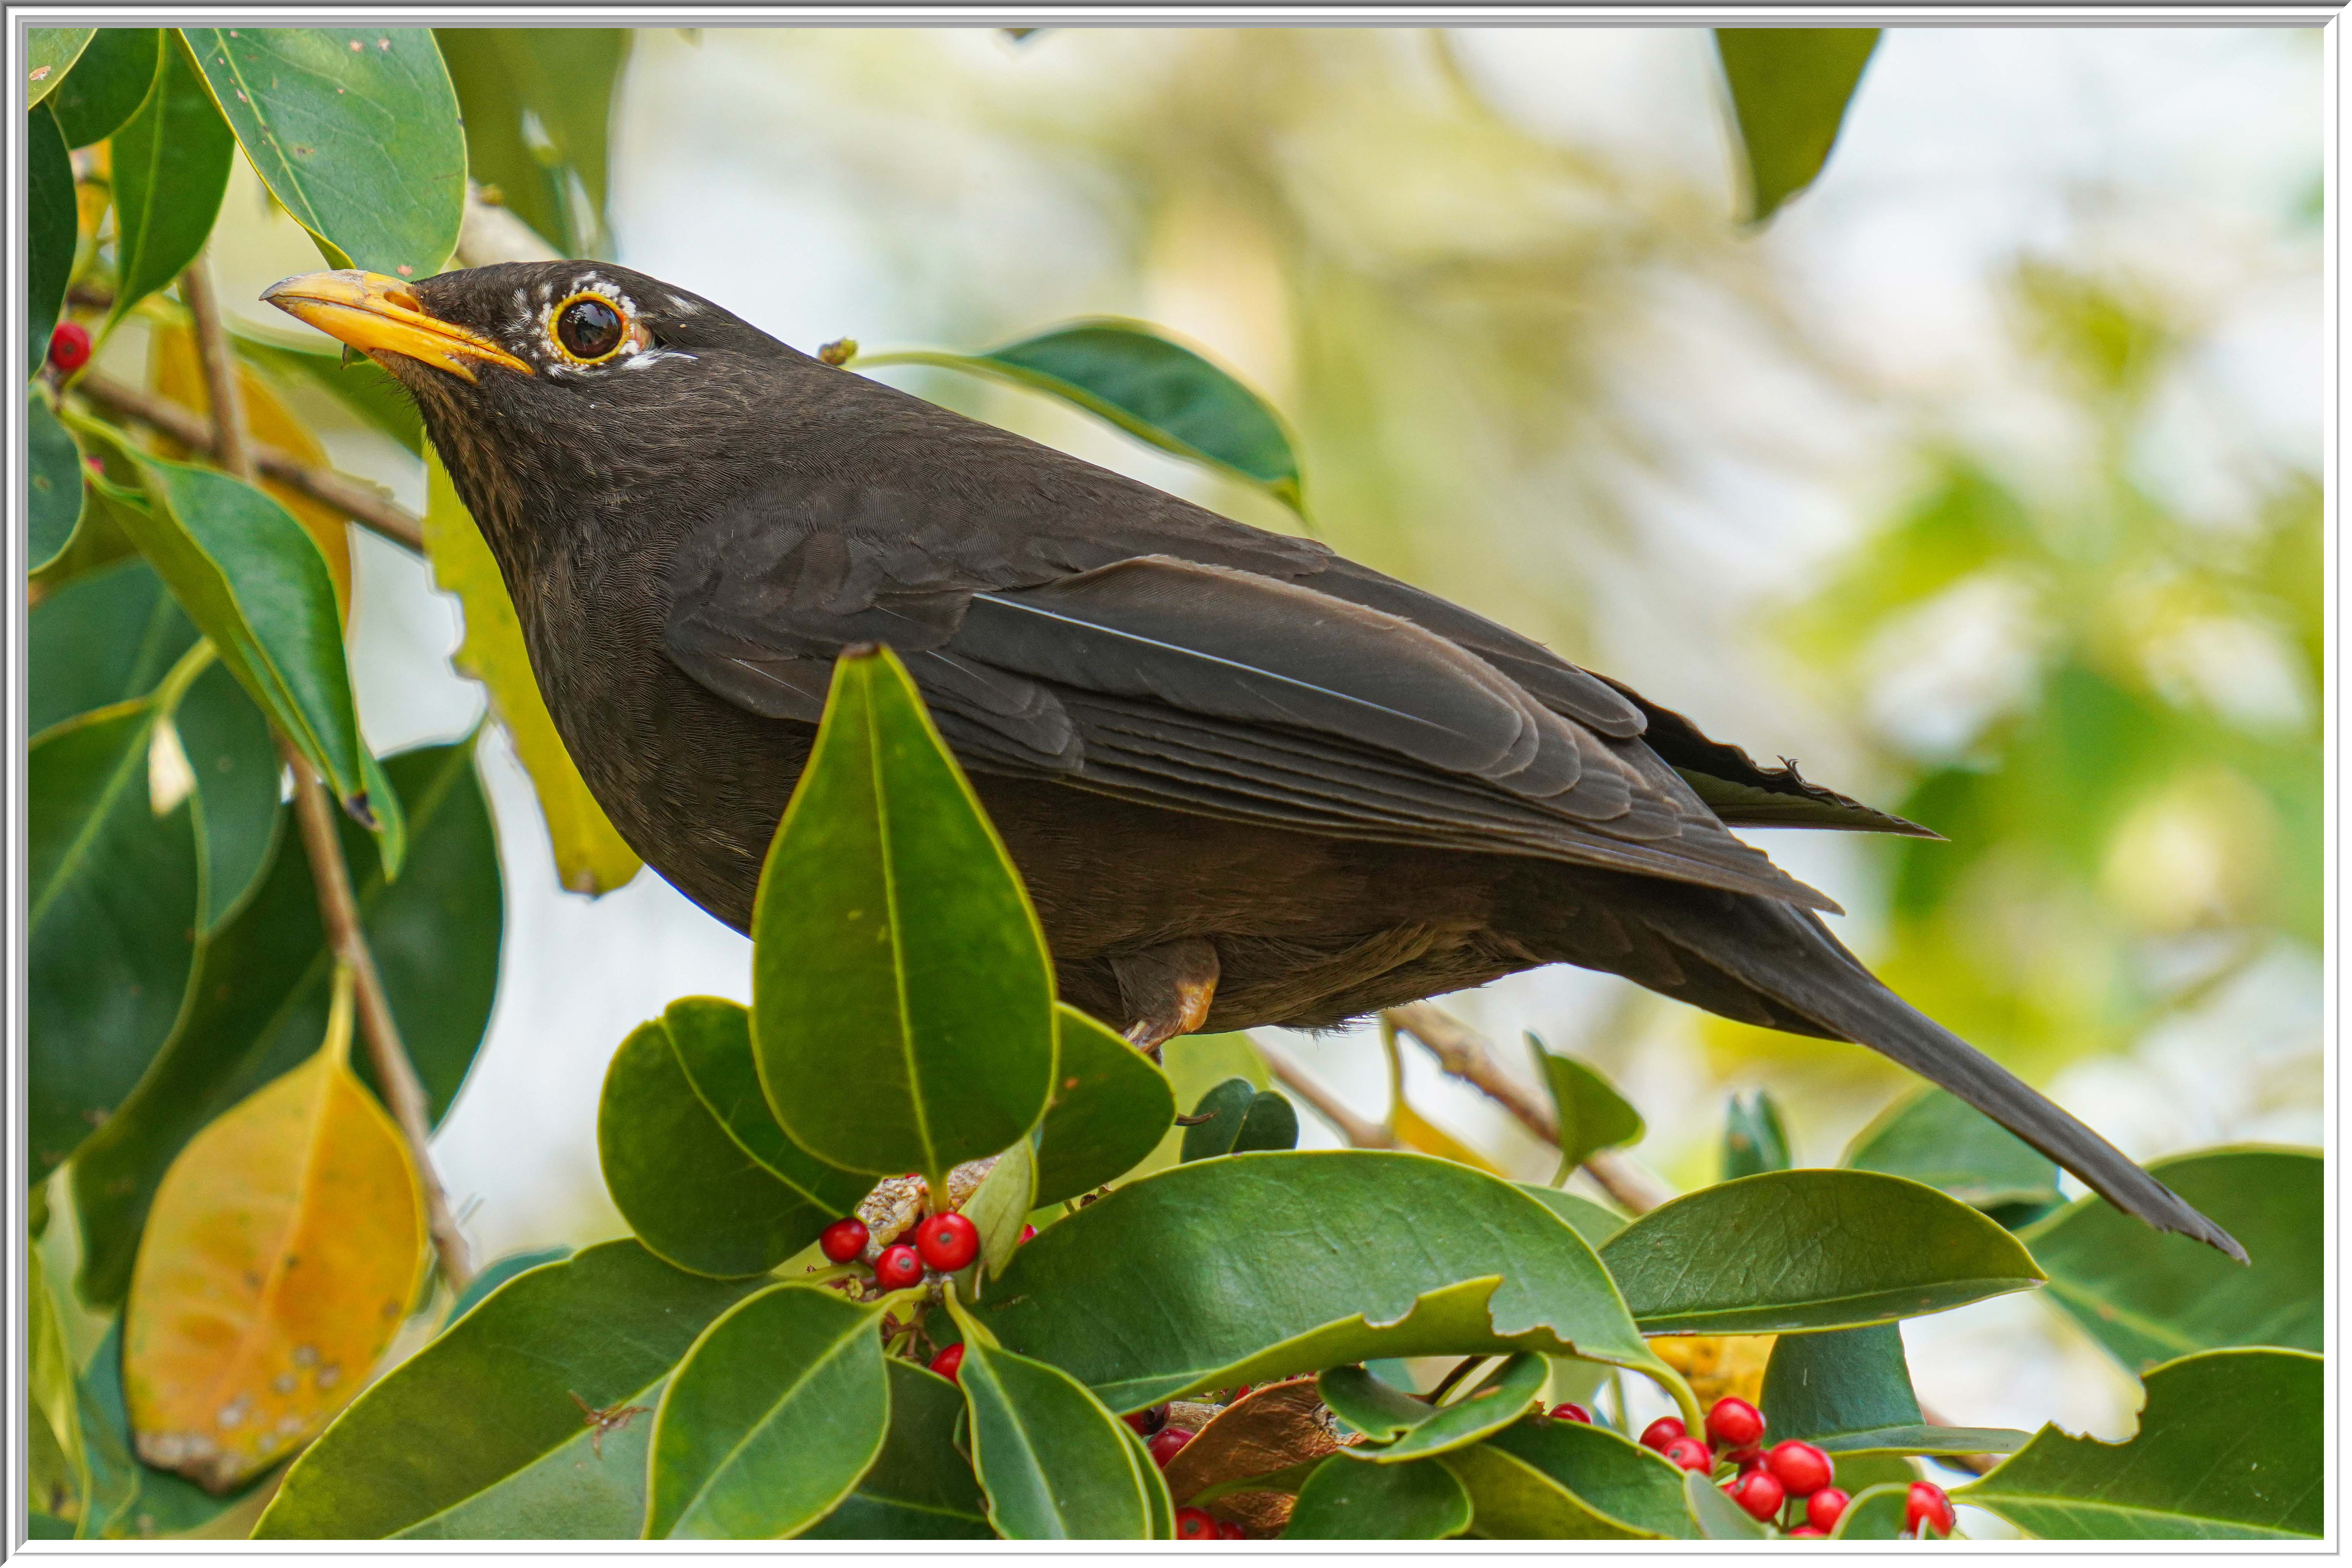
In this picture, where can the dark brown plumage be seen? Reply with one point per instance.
(1218, 755)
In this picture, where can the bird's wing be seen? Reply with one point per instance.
(1198, 687)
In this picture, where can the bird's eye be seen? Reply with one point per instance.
(589, 328)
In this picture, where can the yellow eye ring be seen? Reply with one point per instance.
(589, 328)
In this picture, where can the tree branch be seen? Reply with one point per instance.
(1465, 1054)
(1358, 1132)
(338, 910)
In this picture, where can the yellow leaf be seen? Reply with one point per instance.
(590, 855)
(285, 1242)
(178, 375)
(1719, 1365)
(1415, 1130)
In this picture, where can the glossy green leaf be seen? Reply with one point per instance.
(108, 84)
(1156, 390)
(1055, 1464)
(110, 915)
(1372, 1405)
(1789, 88)
(538, 105)
(919, 1487)
(171, 167)
(896, 950)
(1934, 1137)
(1714, 1516)
(712, 1038)
(259, 1002)
(1594, 1221)
(485, 1426)
(1504, 1395)
(2148, 1297)
(496, 1273)
(1789, 1251)
(1242, 1120)
(247, 573)
(1875, 1513)
(2227, 1449)
(51, 228)
(1849, 1393)
(99, 539)
(770, 1420)
(1233, 1262)
(1592, 1115)
(1111, 1106)
(1753, 1139)
(1002, 1205)
(100, 639)
(354, 131)
(50, 55)
(1922, 1438)
(1340, 1502)
(53, 483)
(1563, 1480)
(238, 775)
(694, 1195)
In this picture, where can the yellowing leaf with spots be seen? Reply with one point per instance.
(590, 855)
(285, 1245)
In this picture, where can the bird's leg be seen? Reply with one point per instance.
(1166, 991)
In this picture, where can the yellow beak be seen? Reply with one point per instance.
(378, 315)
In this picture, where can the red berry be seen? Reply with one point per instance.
(1801, 1468)
(1749, 1461)
(1571, 1413)
(1825, 1507)
(1805, 1532)
(844, 1239)
(1734, 1422)
(1228, 1530)
(1662, 1431)
(1688, 1454)
(1167, 1443)
(1760, 1492)
(949, 1363)
(948, 1242)
(69, 346)
(1146, 1422)
(1195, 1524)
(897, 1267)
(1028, 1233)
(1927, 1508)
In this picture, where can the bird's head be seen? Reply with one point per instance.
(548, 379)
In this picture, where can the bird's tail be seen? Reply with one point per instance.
(1788, 956)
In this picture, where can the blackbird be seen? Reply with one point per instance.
(1245, 779)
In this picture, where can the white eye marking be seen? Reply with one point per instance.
(653, 356)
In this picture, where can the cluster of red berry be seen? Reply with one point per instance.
(943, 1244)
(1793, 1475)
(69, 346)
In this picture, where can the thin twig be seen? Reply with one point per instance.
(356, 499)
(1358, 1132)
(1465, 1054)
(339, 910)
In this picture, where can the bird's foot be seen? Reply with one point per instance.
(1167, 991)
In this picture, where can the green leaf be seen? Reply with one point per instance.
(1340, 1502)
(1055, 1464)
(1753, 1140)
(1156, 390)
(50, 55)
(712, 1037)
(55, 1394)
(258, 1005)
(354, 131)
(111, 910)
(2148, 1297)
(1921, 1439)
(171, 167)
(1240, 1119)
(1508, 1392)
(695, 1195)
(53, 483)
(99, 539)
(1563, 1480)
(1001, 1206)
(238, 775)
(483, 1425)
(108, 84)
(920, 1487)
(100, 639)
(895, 949)
(1717, 1517)
(1789, 1251)
(1789, 87)
(1849, 1393)
(1938, 1138)
(2229, 1448)
(1235, 1262)
(1875, 1513)
(1111, 1106)
(52, 224)
(1592, 1221)
(537, 106)
(247, 573)
(497, 1274)
(770, 1421)
(1592, 1115)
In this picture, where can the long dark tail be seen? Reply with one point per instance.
(1785, 958)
